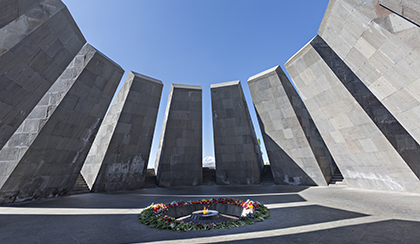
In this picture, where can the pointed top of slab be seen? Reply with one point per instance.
(300, 52)
(186, 86)
(264, 73)
(144, 77)
(223, 84)
(89, 46)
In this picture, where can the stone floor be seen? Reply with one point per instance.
(299, 215)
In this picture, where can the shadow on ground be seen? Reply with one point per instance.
(112, 218)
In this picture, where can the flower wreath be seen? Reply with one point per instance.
(154, 215)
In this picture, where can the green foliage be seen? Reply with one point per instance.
(259, 145)
(154, 216)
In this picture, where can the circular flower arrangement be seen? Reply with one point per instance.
(155, 215)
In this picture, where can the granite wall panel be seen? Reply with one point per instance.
(120, 152)
(409, 9)
(38, 39)
(382, 49)
(180, 154)
(399, 138)
(297, 153)
(44, 156)
(238, 156)
(364, 155)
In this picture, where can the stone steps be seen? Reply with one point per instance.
(80, 187)
(209, 176)
(267, 175)
(151, 181)
(337, 179)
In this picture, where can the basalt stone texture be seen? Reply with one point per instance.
(382, 49)
(399, 138)
(297, 153)
(120, 152)
(409, 9)
(12, 9)
(364, 155)
(179, 155)
(35, 48)
(44, 156)
(237, 153)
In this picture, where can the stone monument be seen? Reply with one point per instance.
(179, 156)
(120, 152)
(38, 39)
(345, 115)
(237, 153)
(297, 153)
(44, 156)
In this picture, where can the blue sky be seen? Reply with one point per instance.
(198, 42)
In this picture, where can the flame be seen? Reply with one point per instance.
(205, 210)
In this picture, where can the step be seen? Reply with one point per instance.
(337, 179)
(209, 176)
(267, 175)
(80, 187)
(150, 181)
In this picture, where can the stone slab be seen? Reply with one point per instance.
(179, 155)
(361, 151)
(409, 9)
(383, 67)
(237, 153)
(399, 138)
(120, 152)
(44, 157)
(297, 153)
(37, 42)
(13, 9)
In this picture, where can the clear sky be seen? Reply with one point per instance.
(198, 42)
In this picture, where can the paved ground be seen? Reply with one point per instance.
(299, 215)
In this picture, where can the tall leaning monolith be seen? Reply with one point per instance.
(120, 152)
(297, 153)
(237, 153)
(350, 120)
(180, 154)
(44, 156)
(38, 39)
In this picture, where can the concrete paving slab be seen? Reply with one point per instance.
(299, 215)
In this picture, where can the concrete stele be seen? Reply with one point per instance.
(44, 157)
(399, 138)
(237, 153)
(363, 154)
(13, 9)
(120, 152)
(382, 49)
(297, 153)
(35, 48)
(409, 9)
(179, 155)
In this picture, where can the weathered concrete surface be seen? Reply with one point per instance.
(409, 9)
(399, 138)
(35, 48)
(13, 9)
(297, 153)
(363, 154)
(298, 215)
(382, 49)
(179, 155)
(44, 157)
(238, 156)
(120, 152)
